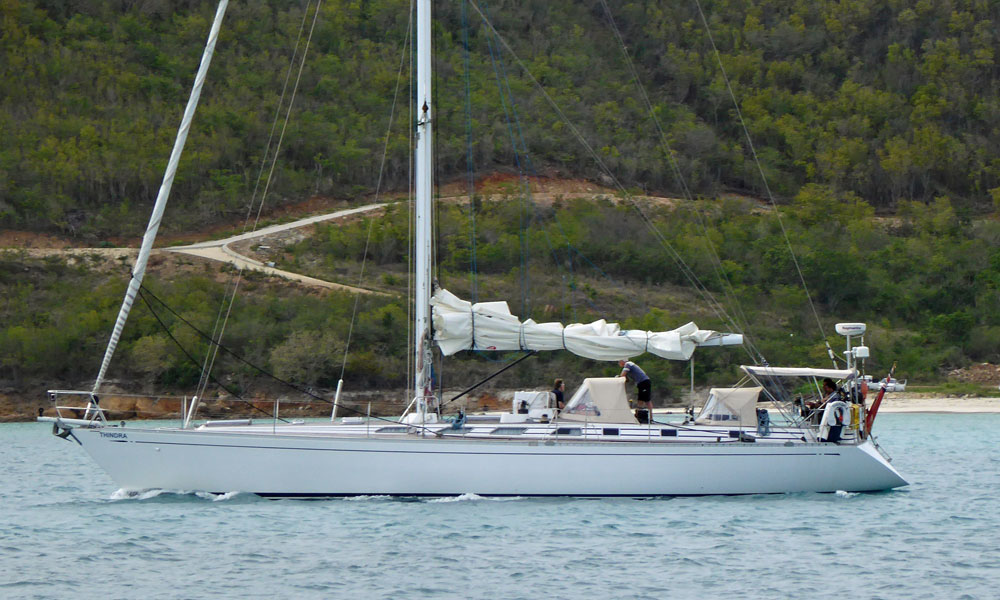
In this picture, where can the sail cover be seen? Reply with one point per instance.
(461, 325)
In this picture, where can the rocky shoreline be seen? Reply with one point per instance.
(118, 406)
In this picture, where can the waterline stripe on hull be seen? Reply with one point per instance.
(322, 496)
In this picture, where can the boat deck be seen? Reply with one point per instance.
(568, 431)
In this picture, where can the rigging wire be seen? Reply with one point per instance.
(510, 107)
(288, 113)
(205, 371)
(570, 249)
(520, 147)
(274, 123)
(261, 370)
(727, 286)
(527, 202)
(524, 165)
(469, 164)
(193, 361)
(526, 355)
(675, 167)
(219, 328)
(703, 291)
(378, 191)
(229, 296)
(763, 177)
(411, 361)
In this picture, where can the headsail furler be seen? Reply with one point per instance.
(461, 325)
(139, 270)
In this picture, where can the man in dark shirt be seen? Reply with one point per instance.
(829, 394)
(630, 370)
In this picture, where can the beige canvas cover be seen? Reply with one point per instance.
(730, 406)
(761, 371)
(599, 400)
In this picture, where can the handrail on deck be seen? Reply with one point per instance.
(92, 412)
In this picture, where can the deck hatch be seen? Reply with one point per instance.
(508, 431)
(392, 429)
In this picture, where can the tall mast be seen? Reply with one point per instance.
(139, 270)
(424, 187)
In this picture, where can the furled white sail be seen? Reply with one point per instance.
(461, 325)
(139, 270)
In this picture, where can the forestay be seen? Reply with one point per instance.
(461, 325)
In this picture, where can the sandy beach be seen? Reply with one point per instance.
(909, 402)
(905, 403)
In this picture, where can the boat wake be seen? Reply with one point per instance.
(123, 494)
(366, 498)
(469, 497)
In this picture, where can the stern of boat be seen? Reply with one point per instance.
(880, 473)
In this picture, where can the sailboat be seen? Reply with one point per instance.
(771, 433)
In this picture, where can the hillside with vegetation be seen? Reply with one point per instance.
(877, 126)
(926, 285)
(887, 100)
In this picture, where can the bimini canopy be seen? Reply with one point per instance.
(461, 325)
(599, 400)
(762, 371)
(730, 406)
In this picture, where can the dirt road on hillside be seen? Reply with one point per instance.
(223, 250)
(250, 250)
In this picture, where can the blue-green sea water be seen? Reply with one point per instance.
(65, 533)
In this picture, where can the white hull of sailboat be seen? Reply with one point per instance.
(326, 465)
